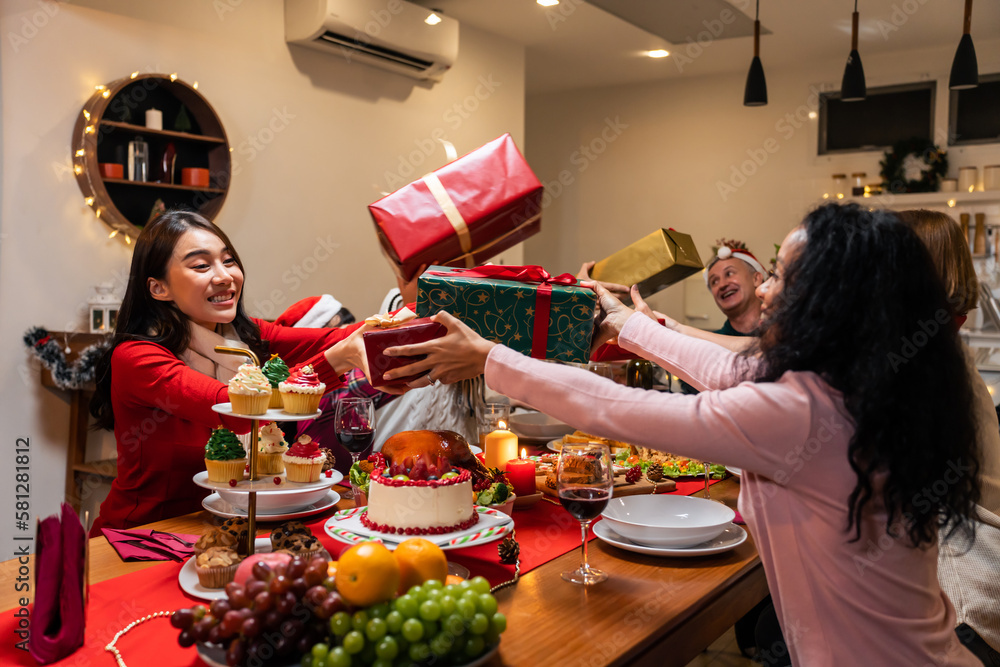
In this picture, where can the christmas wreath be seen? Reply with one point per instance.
(913, 165)
(67, 376)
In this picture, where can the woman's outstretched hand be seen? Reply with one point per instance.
(350, 353)
(458, 355)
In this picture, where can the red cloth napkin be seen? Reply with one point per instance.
(145, 544)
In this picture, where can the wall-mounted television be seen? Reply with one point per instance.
(886, 116)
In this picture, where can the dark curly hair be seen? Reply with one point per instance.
(862, 306)
(143, 318)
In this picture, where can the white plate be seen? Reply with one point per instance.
(538, 425)
(272, 414)
(730, 538)
(188, 578)
(735, 471)
(215, 656)
(345, 526)
(266, 483)
(219, 507)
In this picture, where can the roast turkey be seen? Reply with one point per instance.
(447, 444)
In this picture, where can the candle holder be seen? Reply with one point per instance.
(488, 418)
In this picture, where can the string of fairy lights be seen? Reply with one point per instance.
(88, 150)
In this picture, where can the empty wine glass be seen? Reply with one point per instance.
(584, 481)
(354, 424)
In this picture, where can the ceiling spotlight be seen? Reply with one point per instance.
(433, 19)
(547, 3)
(658, 53)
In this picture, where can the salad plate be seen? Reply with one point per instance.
(730, 538)
(345, 526)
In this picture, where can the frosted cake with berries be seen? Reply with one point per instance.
(419, 498)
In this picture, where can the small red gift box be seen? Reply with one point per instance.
(377, 340)
(462, 214)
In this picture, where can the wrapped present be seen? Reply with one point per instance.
(522, 307)
(462, 214)
(377, 340)
(654, 262)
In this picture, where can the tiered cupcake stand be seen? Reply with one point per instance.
(255, 483)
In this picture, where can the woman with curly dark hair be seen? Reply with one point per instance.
(851, 466)
(158, 381)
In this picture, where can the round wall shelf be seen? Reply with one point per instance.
(192, 137)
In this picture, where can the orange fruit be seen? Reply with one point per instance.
(419, 560)
(367, 574)
(453, 579)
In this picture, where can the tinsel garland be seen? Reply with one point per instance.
(67, 376)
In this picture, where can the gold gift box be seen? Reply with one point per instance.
(654, 262)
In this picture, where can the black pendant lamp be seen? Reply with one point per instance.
(965, 69)
(852, 88)
(755, 93)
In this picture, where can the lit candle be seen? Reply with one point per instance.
(501, 446)
(521, 473)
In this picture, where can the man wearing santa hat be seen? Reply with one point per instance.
(733, 276)
(315, 312)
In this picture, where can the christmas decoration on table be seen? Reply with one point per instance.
(523, 307)
(509, 550)
(913, 165)
(66, 376)
(654, 473)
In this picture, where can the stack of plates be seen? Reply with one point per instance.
(661, 525)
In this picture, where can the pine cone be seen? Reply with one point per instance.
(633, 474)
(654, 473)
(509, 550)
(330, 461)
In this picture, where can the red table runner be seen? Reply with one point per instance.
(545, 532)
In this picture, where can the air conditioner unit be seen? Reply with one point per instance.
(399, 36)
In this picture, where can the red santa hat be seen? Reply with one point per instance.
(311, 312)
(735, 250)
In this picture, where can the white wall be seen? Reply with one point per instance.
(344, 127)
(658, 153)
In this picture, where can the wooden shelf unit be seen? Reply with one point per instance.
(77, 466)
(105, 127)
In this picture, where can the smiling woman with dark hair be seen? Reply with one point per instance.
(834, 428)
(158, 381)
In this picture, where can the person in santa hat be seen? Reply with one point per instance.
(733, 276)
(315, 312)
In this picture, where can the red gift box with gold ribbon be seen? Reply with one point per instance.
(462, 214)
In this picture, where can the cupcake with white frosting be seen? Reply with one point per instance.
(270, 446)
(249, 391)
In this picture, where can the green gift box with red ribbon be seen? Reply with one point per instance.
(523, 307)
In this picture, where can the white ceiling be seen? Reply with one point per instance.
(578, 45)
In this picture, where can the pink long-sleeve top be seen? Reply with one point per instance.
(875, 601)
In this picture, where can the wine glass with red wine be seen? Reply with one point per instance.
(584, 480)
(354, 424)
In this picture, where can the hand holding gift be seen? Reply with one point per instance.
(459, 355)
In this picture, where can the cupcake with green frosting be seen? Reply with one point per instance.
(275, 370)
(225, 458)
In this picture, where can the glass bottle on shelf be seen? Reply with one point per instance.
(858, 183)
(839, 186)
(138, 160)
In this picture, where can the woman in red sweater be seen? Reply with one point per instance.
(157, 383)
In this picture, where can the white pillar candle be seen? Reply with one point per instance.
(154, 119)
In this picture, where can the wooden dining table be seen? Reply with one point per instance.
(650, 611)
